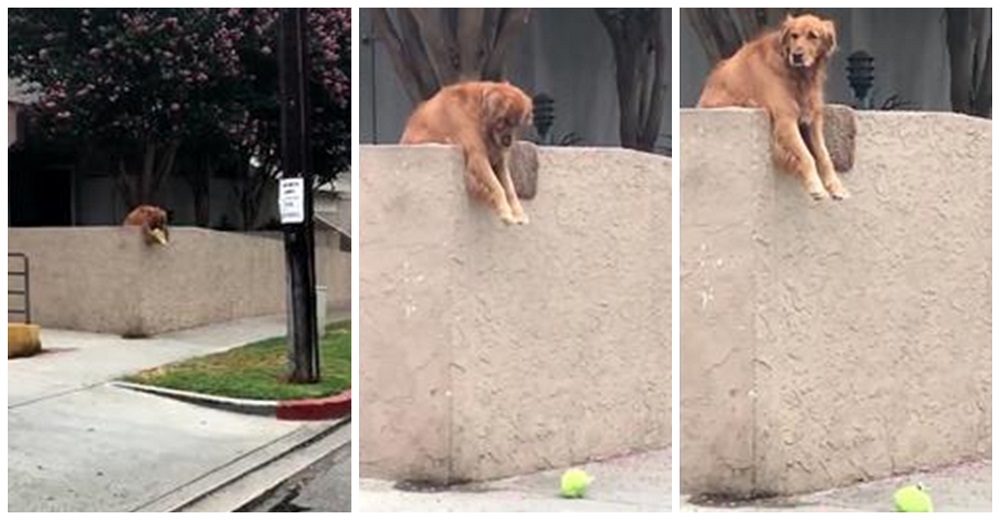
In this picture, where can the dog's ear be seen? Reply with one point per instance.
(829, 37)
(786, 27)
(782, 46)
(494, 102)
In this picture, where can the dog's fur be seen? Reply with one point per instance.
(783, 72)
(482, 117)
(153, 221)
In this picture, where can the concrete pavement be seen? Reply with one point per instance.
(967, 487)
(639, 482)
(323, 486)
(77, 444)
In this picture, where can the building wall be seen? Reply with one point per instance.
(565, 53)
(911, 58)
(98, 202)
(492, 350)
(823, 343)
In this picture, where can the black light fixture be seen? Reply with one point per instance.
(544, 114)
(861, 76)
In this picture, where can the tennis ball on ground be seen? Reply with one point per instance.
(913, 499)
(575, 482)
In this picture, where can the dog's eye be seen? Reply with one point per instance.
(795, 36)
(812, 35)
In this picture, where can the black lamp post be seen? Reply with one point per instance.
(544, 114)
(861, 76)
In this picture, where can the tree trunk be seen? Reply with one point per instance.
(969, 38)
(429, 52)
(723, 31)
(200, 182)
(640, 64)
(138, 184)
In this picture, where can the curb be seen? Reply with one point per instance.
(318, 409)
(242, 480)
(315, 409)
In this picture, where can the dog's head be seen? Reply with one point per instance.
(506, 108)
(807, 40)
(153, 221)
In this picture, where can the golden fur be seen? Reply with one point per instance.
(783, 72)
(153, 221)
(482, 117)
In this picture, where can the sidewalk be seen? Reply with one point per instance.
(638, 482)
(77, 444)
(967, 487)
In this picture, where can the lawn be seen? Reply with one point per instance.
(258, 370)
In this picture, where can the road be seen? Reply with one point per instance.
(639, 482)
(324, 487)
(76, 444)
(962, 488)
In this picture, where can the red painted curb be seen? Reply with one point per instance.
(315, 409)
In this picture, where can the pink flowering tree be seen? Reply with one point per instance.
(144, 85)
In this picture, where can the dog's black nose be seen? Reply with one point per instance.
(797, 58)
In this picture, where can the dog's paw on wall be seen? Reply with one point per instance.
(841, 129)
(524, 169)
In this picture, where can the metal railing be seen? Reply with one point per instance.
(20, 291)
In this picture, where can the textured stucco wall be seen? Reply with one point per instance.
(490, 350)
(825, 343)
(106, 279)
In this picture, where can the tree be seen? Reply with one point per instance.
(432, 48)
(256, 138)
(637, 37)
(142, 85)
(722, 31)
(969, 37)
(125, 81)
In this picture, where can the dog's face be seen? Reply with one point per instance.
(806, 40)
(506, 109)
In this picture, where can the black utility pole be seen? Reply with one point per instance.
(298, 230)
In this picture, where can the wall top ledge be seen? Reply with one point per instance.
(544, 150)
(862, 114)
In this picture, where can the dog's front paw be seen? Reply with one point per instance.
(838, 192)
(523, 219)
(508, 218)
(819, 194)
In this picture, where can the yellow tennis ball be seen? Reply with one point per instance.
(159, 236)
(913, 499)
(575, 482)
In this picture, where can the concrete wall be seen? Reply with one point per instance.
(106, 279)
(565, 53)
(826, 343)
(492, 350)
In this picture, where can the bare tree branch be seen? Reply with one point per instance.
(640, 62)
(654, 111)
(512, 22)
(960, 54)
(440, 44)
(471, 42)
(386, 33)
(417, 52)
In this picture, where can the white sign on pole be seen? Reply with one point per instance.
(292, 200)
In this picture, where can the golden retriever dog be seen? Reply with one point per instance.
(153, 221)
(783, 72)
(482, 117)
